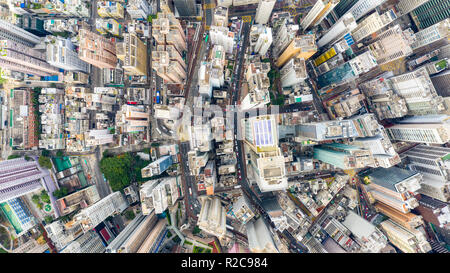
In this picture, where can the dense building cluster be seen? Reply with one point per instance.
(229, 126)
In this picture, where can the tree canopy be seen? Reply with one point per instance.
(44, 197)
(45, 162)
(129, 214)
(63, 191)
(117, 170)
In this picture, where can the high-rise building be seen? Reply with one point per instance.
(362, 7)
(345, 25)
(264, 10)
(212, 218)
(257, 82)
(370, 238)
(408, 241)
(344, 156)
(432, 129)
(260, 39)
(293, 72)
(133, 235)
(133, 52)
(32, 24)
(434, 211)
(392, 44)
(434, 164)
(139, 9)
(171, 42)
(61, 53)
(220, 17)
(408, 220)
(159, 194)
(419, 93)
(96, 49)
(327, 130)
(431, 34)
(237, 3)
(93, 215)
(185, 7)
(61, 234)
(243, 209)
(430, 13)
(157, 167)
(441, 82)
(19, 177)
(373, 23)
(222, 36)
(14, 33)
(19, 57)
(395, 187)
(303, 46)
(89, 242)
(320, 9)
(266, 162)
(110, 9)
(406, 6)
(155, 238)
(132, 118)
(77, 200)
(343, 7)
(260, 239)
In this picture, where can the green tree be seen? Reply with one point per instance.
(59, 153)
(44, 197)
(35, 198)
(129, 215)
(117, 170)
(45, 152)
(45, 162)
(48, 219)
(63, 191)
(196, 230)
(13, 156)
(27, 158)
(39, 205)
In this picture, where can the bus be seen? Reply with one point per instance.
(158, 98)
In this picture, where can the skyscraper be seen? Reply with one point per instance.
(432, 129)
(260, 238)
(19, 177)
(93, 215)
(264, 10)
(320, 9)
(293, 72)
(434, 164)
(430, 13)
(212, 218)
(436, 32)
(266, 160)
(419, 93)
(19, 57)
(96, 49)
(303, 46)
(345, 25)
(185, 7)
(14, 33)
(260, 39)
(395, 187)
(408, 241)
(133, 53)
(89, 242)
(159, 194)
(61, 54)
(344, 156)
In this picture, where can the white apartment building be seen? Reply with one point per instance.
(392, 44)
(320, 9)
(418, 91)
(293, 72)
(432, 34)
(345, 25)
(138, 9)
(372, 24)
(93, 215)
(14, 33)
(61, 54)
(212, 218)
(222, 36)
(408, 241)
(159, 194)
(264, 10)
(260, 39)
(362, 7)
(89, 242)
(431, 129)
(260, 239)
